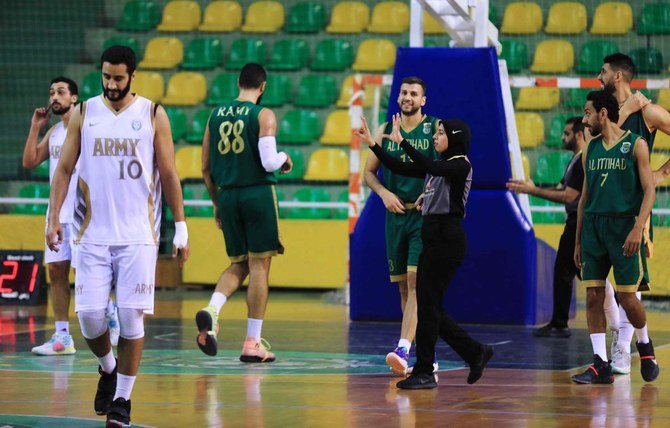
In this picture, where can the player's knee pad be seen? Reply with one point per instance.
(93, 323)
(131, 323)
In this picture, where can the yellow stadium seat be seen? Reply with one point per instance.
(658, 160)
(612, 18)
(188, 161)
(534, 98)
(349, 17)
(522, 18)
(346, 91)
(328, 165)
(553, 56)
(375, 55)
(338, 129)
(389, 17)
(222, 16)
(530, 128)
(264, 17)
(431, 26)
(180, 15)
(149, 84)
(664, 98)
(525, 162)
(662, 141)
(163, 53)
(186, 89)
(566, 18)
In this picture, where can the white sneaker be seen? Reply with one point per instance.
(113, 325)
(615, 339)
(59, 344)
(620, 359)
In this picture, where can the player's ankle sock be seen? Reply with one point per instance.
(124, 386)
(404, 343)
(625, 335)
(598, 341)
(254, 327)
(107, 362)
(63, 327)
(642, 335)
(217, 301)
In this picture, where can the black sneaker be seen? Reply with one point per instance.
(477, 368)
(599, 372)
(550, 331)
(105, 393)
(648, 365)
(119, 414)
(418, 381)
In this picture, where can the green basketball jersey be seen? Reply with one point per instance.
(234, 157)
(421, 138)
(635, 124)
(612, 179)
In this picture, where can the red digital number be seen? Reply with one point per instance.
(10, 277)
(33, 277)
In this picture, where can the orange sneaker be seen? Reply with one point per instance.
(256, 351)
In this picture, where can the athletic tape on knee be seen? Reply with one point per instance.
(93, 323)
(131, 323)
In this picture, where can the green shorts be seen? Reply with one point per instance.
(403, 243)
(249, 222)
(603, 238)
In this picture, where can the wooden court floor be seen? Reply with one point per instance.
(328, 373)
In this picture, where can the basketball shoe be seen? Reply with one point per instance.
(254, 351)
(398, 360)
(620, 356)
(648, 365)
(59, 344)
(119, 414)
(105, 392)
(207, 321)
(598, 372)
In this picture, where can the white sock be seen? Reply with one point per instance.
(404, 343)
(217, 301)
(111, 307)
(124, 386)
(108, 362)
(611, 307)
(599, 343)
(642, 335)
(254, 327)
(63, 327)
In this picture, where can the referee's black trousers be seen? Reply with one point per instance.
(444, 247)
(564, 274)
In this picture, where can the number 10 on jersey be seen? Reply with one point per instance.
(225, 131)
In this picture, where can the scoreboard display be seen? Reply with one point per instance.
(22, 279)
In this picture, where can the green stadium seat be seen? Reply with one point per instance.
(647, 60)
(187, 192)
(91, 86)
(310, 194)
(198, 125)
(298, 160)
(129, 41)
(556, 131)
(306, 17)
(32, 190)
(516, 54)
(493, 15)
(278, 90)
(591, 55)
(316, 90)
(246, 50)
(540, 217)
(654, 19)
(299, 127)
(333, 55)
(342, 213)
(41, 170)
(139, 15)
(208, 210)
(203, 53)
(576, 98)
(551, 166)
(289, 55)
(178, 122)
(224, 88)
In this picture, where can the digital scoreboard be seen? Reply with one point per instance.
(22, 279)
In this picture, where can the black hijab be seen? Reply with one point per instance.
(458, 136)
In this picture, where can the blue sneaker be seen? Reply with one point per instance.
(398, 360)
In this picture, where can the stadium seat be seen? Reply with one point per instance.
(556, 127)
(204, 53)
(612, 18)
(316, 90)
(222, 17)
(349, 17)
(278, 90)
(566, 18)
(544, 217)
(180, 15)
(576, 98)
(525, 163)
(224, 88)
(32, 190)
(298, 164)
(185, 89)
(389, 17)
(375, 55)
(129, 41)
(654, 19)
(328, 165)
(198, 125)
(553, 56)
(551, 166)
(592, 53)
(264, 17)
(522, 18)
(333, 55)
(537, 98)
(431, 26)
(309, 194)
(338, 129)
(149, 84)
(299, 127)
(91, 86)
(178, 122)
(346, 91)
(647, 60)
(187, 193)
(662, 141)
(163, 53)
(245, 50)
(41, 170)
(663, 99)
(658, 160)
(306, 17)
(515, 53)
(289, 55)
(188, 161)
(530, 128)
(342, 213)
(139, 15)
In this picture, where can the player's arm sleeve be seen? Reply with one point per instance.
(270, 158)
(394, 165)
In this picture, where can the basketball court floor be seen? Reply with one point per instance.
(328, 373)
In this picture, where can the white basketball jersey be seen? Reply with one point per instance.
(119, 193)
(56, 140)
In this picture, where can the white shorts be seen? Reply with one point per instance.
(66, 250)
(130, 268)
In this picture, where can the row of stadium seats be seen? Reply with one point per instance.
(548, 98)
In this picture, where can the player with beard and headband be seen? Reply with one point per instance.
(403, 221)
(638, 115)
(63, 95)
